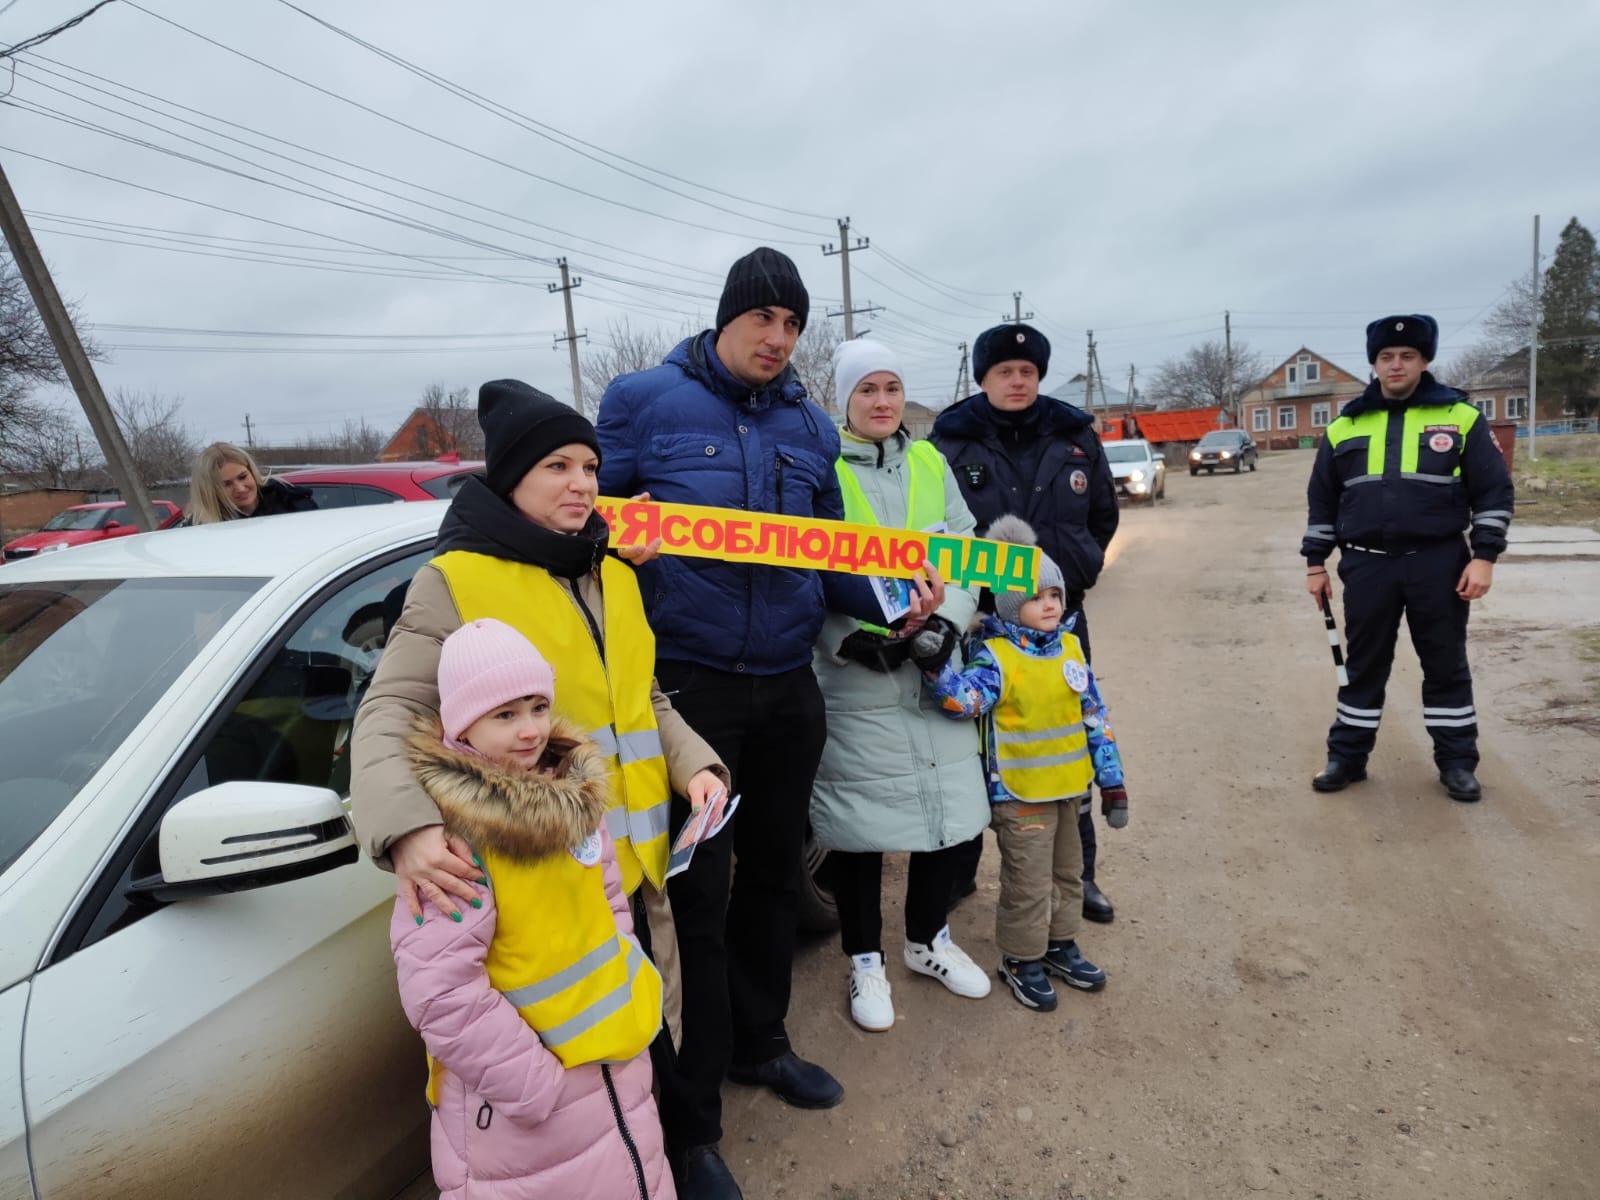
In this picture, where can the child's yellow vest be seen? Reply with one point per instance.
(1040, 744)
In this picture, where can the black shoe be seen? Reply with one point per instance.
(1096, 904)
(1028, 983)
(704, 1176)
(960, 891)
(796, 1082)
(1066, 962)
(1461, 784)
(1337, 776)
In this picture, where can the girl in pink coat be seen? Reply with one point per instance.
(539, 1078)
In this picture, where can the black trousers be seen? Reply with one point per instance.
(1378, 589)
(736, 939)
(972, 854)
(858, 892)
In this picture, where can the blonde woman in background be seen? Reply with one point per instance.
(225, 484)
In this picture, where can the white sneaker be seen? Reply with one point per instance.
(949, 964)
(870, 1004)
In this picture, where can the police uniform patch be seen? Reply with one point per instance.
(1441, 443)
(1021, 337)
(976, 473)
(1080, 482)
(587, 852)
(1076, 675)
(1399, 325)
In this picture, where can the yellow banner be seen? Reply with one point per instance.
(809, 543)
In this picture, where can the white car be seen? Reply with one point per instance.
(196, 993)
(1140, 471)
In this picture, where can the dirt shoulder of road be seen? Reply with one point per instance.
(1379, 995)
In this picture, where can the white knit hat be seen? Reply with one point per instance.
(853, 361)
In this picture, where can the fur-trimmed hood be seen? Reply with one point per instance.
(521, 814)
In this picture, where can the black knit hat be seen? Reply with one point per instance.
(1417, 330)
(1006, 342)
(762, 277)
(521, 425)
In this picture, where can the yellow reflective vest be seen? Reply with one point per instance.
(608, 698)
(1038, 737)
(925, 504)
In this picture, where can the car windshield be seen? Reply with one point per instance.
(1128, 452)
(81, 663)
(76, 519)
(1220, 439)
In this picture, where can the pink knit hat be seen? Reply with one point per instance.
(483, 665)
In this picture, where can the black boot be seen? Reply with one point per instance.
(1096, 904)
(702, 1175)
(1337, 776)
(1461, 784)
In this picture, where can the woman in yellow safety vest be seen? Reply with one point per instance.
(895, 775)
(522, 543)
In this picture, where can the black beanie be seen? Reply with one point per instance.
(762, 277)
(521, 425)
(1417, 330)
(1006, 342)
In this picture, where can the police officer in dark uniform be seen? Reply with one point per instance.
(1411, 487)
(1015, 451)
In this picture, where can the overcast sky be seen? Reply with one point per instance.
(1135, 168)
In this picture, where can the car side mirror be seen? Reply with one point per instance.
(112, 525)
(243, 835)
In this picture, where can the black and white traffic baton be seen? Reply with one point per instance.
(1333, 642)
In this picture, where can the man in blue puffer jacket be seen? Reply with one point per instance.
(724, 421)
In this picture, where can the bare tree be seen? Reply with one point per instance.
(357, 441)
(47, 447)
(163, 449)
(1472, 362)
(452, 423)
(28, 360)
(1509, 325)
(1199, 378)
(623, 351)
(813, 362)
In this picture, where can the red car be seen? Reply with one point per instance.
(383, 483)
(85, 523)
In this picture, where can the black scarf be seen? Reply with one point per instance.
(483, 523)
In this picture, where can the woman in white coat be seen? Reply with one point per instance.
(895, 775)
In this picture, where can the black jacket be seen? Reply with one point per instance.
(1048, 468)
(277, 497)
(1347, 505)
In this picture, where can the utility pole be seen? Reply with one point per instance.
(1227, 366)
(249, 434)
(849, 312)
(1533, 346)
(1016, 316)
(565, 287)
(961, 376)
(31, 265)
(1132, 371)
(1088, 375)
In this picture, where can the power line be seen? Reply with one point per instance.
(560, 137)
(33, 65)
(934, 283)
(444, 141)
(40, 38)
(114, 327)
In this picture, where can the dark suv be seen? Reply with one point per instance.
(1225, 448)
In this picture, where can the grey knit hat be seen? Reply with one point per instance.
(1008, 605)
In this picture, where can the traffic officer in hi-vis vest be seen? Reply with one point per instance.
(1411, 487)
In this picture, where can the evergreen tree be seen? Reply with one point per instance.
(1569, 331)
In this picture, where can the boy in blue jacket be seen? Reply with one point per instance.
(1046, 736)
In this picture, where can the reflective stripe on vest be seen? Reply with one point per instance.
(1417, 425)
(925, 501)
(559, 958)
(1039, 756)
(609, 699)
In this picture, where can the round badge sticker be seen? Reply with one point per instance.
(1441, 442)
(587, 852)
(1076, 675)
(1080, 482)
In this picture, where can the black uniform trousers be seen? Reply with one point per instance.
(736, 925)
(972, 852)
(1378, 588)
